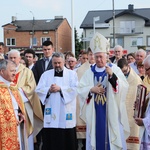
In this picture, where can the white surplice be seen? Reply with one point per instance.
(60, 112)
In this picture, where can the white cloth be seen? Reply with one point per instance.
(117, 115)
(47, 60)
(30, 141)
(31, 66)
(58, 108)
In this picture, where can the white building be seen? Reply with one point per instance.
(130, 28)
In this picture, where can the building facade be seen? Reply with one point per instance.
(129, 28)
(22, 34)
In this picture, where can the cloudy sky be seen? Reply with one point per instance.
(47, 9)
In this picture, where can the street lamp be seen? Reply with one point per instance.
(32, 29)
(94, 20)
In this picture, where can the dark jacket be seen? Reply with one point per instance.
(39, 68)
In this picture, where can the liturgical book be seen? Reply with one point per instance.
(140, 103)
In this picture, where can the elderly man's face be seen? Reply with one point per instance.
(14, 57)
(118, 53)
(58, 63)
(139, 57)
(100, 59)
(9, 73)
(72, 62)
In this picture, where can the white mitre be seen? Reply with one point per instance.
(99, 43)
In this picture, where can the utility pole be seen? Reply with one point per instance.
(32, 30)
(113, 23)
(72, 25)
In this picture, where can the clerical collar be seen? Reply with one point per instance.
(5, 81)
(99, 69)
(58, 74)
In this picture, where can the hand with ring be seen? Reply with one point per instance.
(97, 89)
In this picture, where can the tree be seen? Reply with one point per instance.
(78, 43)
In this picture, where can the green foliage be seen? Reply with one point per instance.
(78, 43)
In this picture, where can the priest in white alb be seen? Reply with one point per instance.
(103, 90)
(57, 91)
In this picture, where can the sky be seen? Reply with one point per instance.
(48, 9)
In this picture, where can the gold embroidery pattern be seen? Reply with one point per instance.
(100, 98)
(97, 43)
(8, 122)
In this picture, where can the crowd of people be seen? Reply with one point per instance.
(61, 102)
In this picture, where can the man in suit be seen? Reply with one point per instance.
(45, 63)
(2, 51)
(38, 69)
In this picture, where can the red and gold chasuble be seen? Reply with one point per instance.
(8, 122)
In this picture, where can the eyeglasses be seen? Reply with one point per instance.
(147, 69)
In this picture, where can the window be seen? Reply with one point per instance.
(148, 40)
(34, 43)
(45, 39)
(127, 26)
(11, 42)
(136, 41)
(118, 41)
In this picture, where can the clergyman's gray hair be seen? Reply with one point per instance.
(14, 51)
(118, 46)
(141, 51)
(58, 54)
(4, 63)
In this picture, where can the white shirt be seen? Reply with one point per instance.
(31, 66)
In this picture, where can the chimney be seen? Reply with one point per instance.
(58, 17)
(13, 18)
(130, 7)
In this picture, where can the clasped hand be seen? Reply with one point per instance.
(98, 89)
(54, 88)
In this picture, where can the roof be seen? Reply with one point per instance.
(39, 25)
(107, 15)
